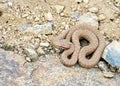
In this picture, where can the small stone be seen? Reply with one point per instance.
(9, 4)
(35, 42)
(111, 54)
(93, 9)
(89, 18)
(108, 74)
(25, 15)
(103, 66)
(37, 28)
(43, 27)
(86, 1)
(31, 53)
(101, 17)
(44, 44)
(75, 16)
(59, 8)
(28, 59)
(48, 16)
(62, 14)
(40, 51)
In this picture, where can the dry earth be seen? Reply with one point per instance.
(17, 19)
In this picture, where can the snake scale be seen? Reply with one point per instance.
(69, 41)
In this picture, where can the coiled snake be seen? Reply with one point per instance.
(69, 40)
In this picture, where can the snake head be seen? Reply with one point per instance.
(63, 43)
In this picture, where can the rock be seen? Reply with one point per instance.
(86, 1)
(58, 8)
(40, 51)
(48, 16)
(44, 44)
(111, 54)
(89, 18)
(35, 42)
(103, 66)
(25, 15)
(43, 27)
(11, 69)
(25, 27)
(48, 71)
(101, 17)
(93, 9)
(31, 53)
(108, 74)
(28, 59)
(9, 4)
(75, 16)
(113, 69)
(37, 28)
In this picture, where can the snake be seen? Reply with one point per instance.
(73, 52)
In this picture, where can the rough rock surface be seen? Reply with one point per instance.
(14, 71)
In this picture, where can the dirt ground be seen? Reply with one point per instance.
(16, 16)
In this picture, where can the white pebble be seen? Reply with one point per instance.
(9, 4)
(59, 8)
(44, 44)
(40, 51)
(25, 15)
(48, 16)
(93, 9)
(101, 17)
(86, 1)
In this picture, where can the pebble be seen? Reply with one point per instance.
(35, 42)
(89, 18)
(10, 4)
(108, 74)
(31, 54)
(28, 59)
(40, 51)
(93, 9)
(59, 8)
(86, 1)
(44, 44)
(48, 16)
(101, 17)
(111, 54)
(42, 27)
(103, 66)
(25, 15)
(75, 16)
(37, 28)
(24, 27)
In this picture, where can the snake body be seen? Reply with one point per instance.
(69, 40)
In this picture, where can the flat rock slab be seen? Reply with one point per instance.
(112, 54)
(48, 71)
